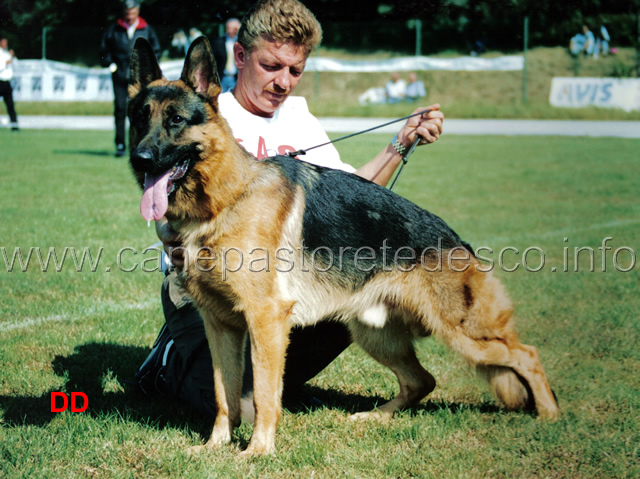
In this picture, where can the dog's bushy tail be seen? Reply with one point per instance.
(508, 386)
(489, 325)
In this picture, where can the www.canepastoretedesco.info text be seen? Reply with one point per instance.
(321, 259)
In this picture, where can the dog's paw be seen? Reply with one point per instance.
(196, 450)
(260, 445)
(255, 451)
(375, 415)
(248, 454)
(549, 414)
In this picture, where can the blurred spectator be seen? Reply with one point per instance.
(576, 44)
(590, 41)
(395, 89)
(584, 42)
(179, 44)
(115, 52)
(7, 58)
(602, 42)
(373, 96)
(225, 58)
(193, 34)
(415, 88)
(479, 44)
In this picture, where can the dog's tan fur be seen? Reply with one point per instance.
(230, 201)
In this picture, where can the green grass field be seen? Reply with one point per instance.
(89, 331)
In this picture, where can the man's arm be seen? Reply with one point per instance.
(105, 48)
(428, 126)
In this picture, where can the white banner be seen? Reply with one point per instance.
(46, 80)
(43, 80)
(600, 92)
(404, 64)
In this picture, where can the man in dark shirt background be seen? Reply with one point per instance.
(223, 52)
(115, 52)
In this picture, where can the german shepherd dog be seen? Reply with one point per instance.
(328, 244)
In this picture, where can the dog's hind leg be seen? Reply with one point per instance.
(392, 346)
(269, 328)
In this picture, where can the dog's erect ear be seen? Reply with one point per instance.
(144, 67)
(199, 70)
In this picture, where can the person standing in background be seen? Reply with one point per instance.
(7, 58)
(115, 53)
(223, 53)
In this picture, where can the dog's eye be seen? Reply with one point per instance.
(177, 119)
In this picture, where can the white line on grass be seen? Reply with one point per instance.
(102, 308)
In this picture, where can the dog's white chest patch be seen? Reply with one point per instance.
(375, 316)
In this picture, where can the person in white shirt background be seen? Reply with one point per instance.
(396, 89)
(7, 60)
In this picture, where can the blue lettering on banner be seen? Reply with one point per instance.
(58, 83)
(105, 83)
(36, 84)
(16, 84)
(81, 82)
(582, 93)
(586, 94)
(606, 91)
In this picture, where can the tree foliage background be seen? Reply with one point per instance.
(74, 27)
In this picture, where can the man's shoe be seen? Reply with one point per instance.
(120, 151)
(14, 127)
(151, 378)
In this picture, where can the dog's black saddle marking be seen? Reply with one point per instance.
(344, 210)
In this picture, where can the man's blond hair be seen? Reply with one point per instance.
(282, 21)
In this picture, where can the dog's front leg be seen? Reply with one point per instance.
(269, 339)
(226, 345)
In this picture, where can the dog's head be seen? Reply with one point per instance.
(170, 122)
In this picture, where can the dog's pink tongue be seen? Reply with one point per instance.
(154, 202)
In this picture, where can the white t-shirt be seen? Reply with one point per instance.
(6, 65)
(396, 90)
(291, 128)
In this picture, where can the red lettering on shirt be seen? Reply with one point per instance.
(262, 149)
(262, 152)
(284, 149)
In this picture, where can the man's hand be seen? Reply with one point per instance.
(171, 242)
(427, 125)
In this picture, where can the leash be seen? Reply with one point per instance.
(405, 157)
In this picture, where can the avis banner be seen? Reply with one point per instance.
(600, 92)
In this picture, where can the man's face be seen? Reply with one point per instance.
(232, 29)
(4, 43)
(268, 75)
(131, 15)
